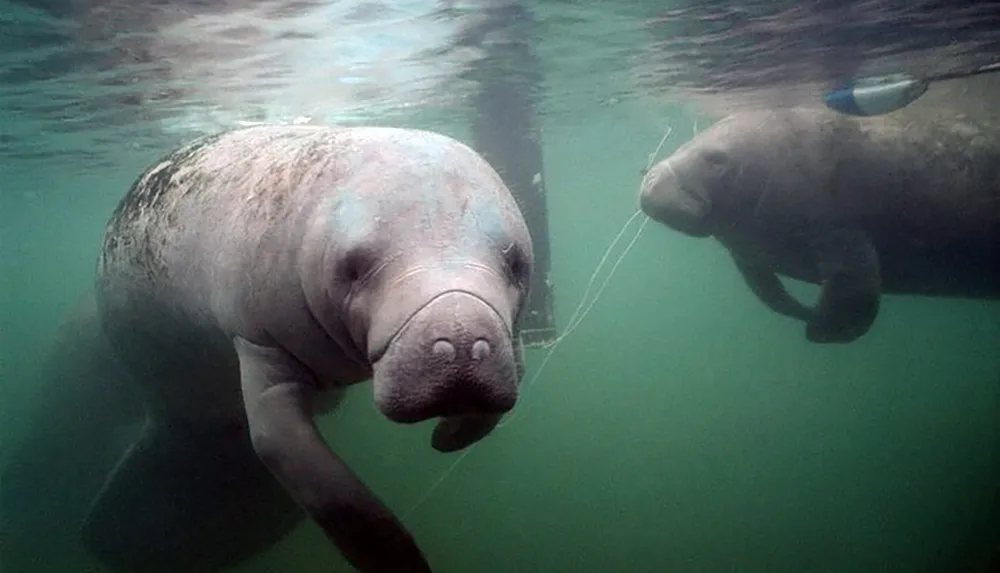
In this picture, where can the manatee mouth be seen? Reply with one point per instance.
(453, 357)
(668, 201)
(458, 432)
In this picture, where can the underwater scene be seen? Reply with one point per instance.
(500, 286)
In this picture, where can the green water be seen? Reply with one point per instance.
(682, 427)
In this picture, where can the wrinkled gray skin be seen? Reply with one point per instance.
(862, 207)
(250, 277)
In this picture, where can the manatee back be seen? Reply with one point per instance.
(185, 235)
(215, 205)
(943, 163)
(210, 194)
(926, 189)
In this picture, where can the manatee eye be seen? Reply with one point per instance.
(355, 265)
(716, 162)
(516, 264)
(716, 158)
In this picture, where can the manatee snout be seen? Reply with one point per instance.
(664, 198)
(454, 358)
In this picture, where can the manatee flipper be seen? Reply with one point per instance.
(767, 287)
(87, 413)
(184, 499)
(279, 396)
(851, 287)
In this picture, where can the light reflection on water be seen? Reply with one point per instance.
(116, 74)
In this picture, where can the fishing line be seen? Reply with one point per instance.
(652, 156)
(580, 313)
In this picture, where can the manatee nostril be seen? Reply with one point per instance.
(444, 349)
(480, 349)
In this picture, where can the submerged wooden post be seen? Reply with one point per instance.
(507, 133)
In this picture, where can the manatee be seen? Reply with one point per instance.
(87, 413)
(251, 276)
(84, 414)
(895, 204)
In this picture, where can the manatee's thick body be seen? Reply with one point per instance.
(893, 204)
(248, 278)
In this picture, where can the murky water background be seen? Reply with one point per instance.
(682, 427)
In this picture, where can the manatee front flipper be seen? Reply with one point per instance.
(279, 395)
(188, 499)
(768, 288)
(851, 287)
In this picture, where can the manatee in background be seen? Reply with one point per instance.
(895, 204)
(88, 411)
(249, 278)
(78, 427)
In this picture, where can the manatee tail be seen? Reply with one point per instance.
(192, 500)
(85, 415)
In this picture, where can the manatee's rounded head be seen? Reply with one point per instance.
(438, 260)
(691, 190)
